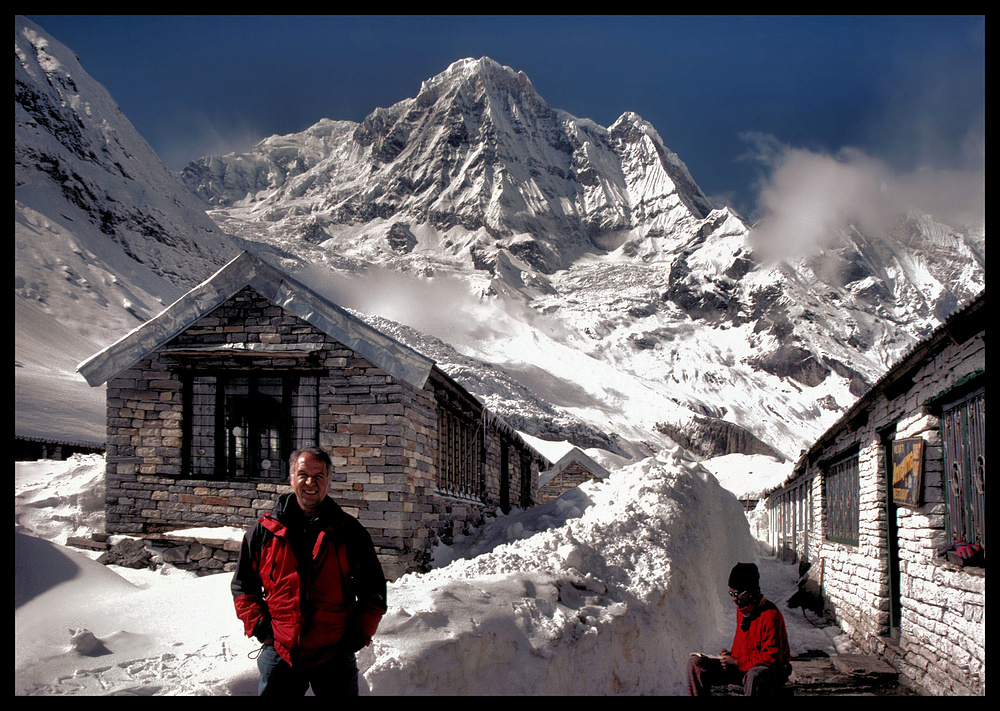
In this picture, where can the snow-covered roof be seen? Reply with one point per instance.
(400, 361)
(574, 455)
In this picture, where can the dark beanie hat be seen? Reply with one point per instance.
(744, 577)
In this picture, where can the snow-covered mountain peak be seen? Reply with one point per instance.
(477, 149)
(574, 277)
(56, 99)
(663, 172)
(484, 73)
(72, 143)
(606, 229)
(630, 121)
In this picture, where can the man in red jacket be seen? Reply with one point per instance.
(760, 659)
(309, 587)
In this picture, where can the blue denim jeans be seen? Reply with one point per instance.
(337, 677)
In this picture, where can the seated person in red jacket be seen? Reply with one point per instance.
(760, 659)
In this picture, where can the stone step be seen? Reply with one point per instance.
(845, 675)
(863, 666)
(89, 543)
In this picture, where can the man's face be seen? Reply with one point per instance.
(740, 597)
(310, 481)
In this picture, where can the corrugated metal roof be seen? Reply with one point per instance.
(400, 361)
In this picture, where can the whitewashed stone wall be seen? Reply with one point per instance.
(942, 646)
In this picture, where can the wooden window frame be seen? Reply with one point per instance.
(209, 456)
(461, 455)
(842, 493)
(963, 431)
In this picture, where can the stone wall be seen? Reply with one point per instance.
(204, 556)
(569, 478)
(941, 641)
(381, 435)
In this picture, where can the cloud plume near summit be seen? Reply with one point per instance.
(807, 197)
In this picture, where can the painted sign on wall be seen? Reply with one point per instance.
(907, 471)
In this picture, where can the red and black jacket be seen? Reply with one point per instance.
(314, 584)
(761, 637)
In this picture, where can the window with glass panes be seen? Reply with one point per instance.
(245, 424)
(842, 499)
(461, 471)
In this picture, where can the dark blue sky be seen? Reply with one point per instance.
(908, 90)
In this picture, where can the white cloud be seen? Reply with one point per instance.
(443, 306)
(807, 197)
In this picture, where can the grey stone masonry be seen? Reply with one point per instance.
(204, 556)
(381, 433)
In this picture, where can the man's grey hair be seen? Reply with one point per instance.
(315, 452)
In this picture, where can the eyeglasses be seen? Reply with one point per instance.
(735, 593)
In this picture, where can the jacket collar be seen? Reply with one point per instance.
(288, 512)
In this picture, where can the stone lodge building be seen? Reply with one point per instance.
(572, 469)
(206, 402)
(875, 504)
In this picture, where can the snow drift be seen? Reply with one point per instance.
(603, 591)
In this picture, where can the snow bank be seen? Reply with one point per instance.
(603, 591)
(81, 628)
(55, 500)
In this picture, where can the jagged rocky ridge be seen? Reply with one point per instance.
(620, 308)
(72, 141)
(604, 228)
(476, 148)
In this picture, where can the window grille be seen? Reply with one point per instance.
(202, 406)
(460, 456)
(525, 483)
(963, 431)
(305, 412)
(842, 500)
(244, 425)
